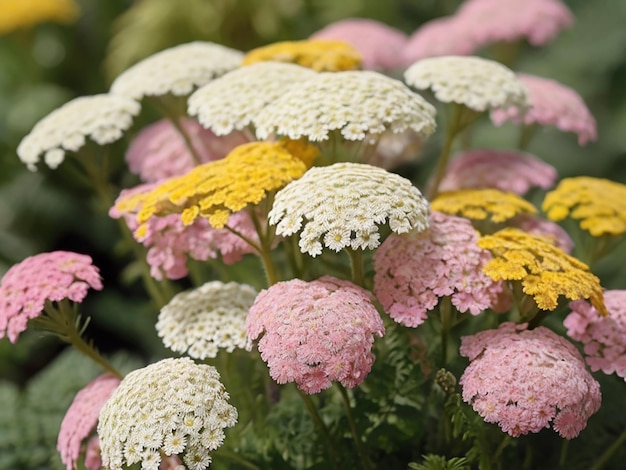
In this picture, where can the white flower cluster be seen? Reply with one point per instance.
(479, 84)
(200, 321)
(176, 70)
(342, 205)
(103, 118)
(356, 103)
(233, 100)
(173, 407)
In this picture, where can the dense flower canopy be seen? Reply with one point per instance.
(524, 380)
(18, 14)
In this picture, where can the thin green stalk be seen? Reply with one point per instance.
(608, 453)
(445, 311)
(321, 427)
(233, 457)
(527, 132)
(503, 444)
(356, 266)
(453, 128)
(365, 460)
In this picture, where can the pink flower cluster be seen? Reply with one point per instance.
(604, 338)
(412, 272)
(81, 419)
(315, 333)
(551, 104)
(523, 380)
(53, 276)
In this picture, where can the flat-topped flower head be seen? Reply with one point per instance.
(526, 380)
(321, 55)
(356, 104)
(545, 271)
(102, 118)
(201, 321)
(599, 204)
(482, 204)
(315, 333)
(603, 337)
(19, 14)
(480, 84)
(232, 101)
(159, 150)
(82, 416)
(506, 170)
(551, 104)
(177, 70)
(342, 205)
(379, 44)
(28, 285)
(171, 407)
(412, 273)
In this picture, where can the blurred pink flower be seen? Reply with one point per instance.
(93, 459)
(506, 170)
(380, 45)
(551, 104)
(603, 337)
(538, 226)
(315, 333)
(523, 380)
(412, 272)
(53, 276)
(81, 419)
(159, 150)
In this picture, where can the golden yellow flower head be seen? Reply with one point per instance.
(482, 204)
(15, 14)
(320, 55)
(545, 271)
(599, 204)
(217, 189)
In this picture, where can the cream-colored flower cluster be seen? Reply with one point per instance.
(171, 407)
(342, 205)
(201, 321)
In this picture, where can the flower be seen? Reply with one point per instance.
(551, 104)
(315, 333)
(378, 44)
(82, 416)
(177, 70)
(172, 406)
(159, 150)
(545, 271)
(523, 380)
(342, 205)
(232, 101)
(603, 337)
(358, 104)
(321, 55)
(481, 204)
(93, 460)
(54, 276)
(506, 170)
(18, 14)
(545, 228)
(599, 204)
(103, 118)
(412, 272)
(477, 83)
(200, 321)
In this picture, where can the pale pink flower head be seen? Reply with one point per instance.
(546, 228)
(81, 419)
(159, 150)
(524, 380)
(53, 276)
(551, 104)
(603, 337)
(379, 45)
(506, 170)
(413, 272)
(315, 333)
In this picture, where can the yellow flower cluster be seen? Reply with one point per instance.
(217, 189)
(481, 204)
(545, 271)
(318, 54)
(599, 204)
(15, 14)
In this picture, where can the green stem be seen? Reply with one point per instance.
(365, 460)
(321, 427)
(233, 457)
(445, 311)
(453, 128)
(503, 444)
(356, 266)
(527, 132)
(608, 453)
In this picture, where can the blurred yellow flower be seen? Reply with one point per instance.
(16, 14)
(317, 54)
(599, 204)
(545, 271)
(482, 204)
